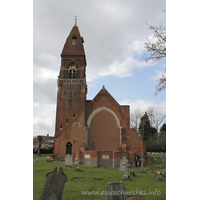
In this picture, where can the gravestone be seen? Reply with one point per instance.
(77, 168)
(153, 168)
(158, 159)
(164, 157)
(158, 177)
(68, 160)
(162, 167)
(132, 173)
(122, 162)
(35, 160)
(147, 159)
(54, 185)
(116, 191)
(152, 159)
(137, 162)
(39, 138)
(142, 170)
(125, 177)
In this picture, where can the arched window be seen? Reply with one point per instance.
(70, 73)
(74, 73)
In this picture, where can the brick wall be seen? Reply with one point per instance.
(103, 134)
(103, 128)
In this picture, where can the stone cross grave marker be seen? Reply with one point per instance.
(142, 170)
(116, 191)
(77, 168)
(126, 170)
(122, 162)
(68, 160)
(54, 185)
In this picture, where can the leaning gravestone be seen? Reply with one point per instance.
(68, 160)
(162, 167)
(54, 185)
(122, 162)
(116, 191)
(153, 168)
(132, 173)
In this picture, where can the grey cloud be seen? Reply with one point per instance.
(110, 30)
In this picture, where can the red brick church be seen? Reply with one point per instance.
(97, 131)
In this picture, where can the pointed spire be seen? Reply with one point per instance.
(74, 43)
(75, 21)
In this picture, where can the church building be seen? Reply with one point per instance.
(97, 131)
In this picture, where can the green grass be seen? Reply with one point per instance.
(72, 189)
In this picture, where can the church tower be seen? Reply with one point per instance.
(71, 97)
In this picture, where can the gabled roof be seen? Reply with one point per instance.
(74, 49)
(104, 92)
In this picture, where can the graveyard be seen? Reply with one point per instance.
(90, 182)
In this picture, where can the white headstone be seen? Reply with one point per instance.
(122, 162)
(68, 160)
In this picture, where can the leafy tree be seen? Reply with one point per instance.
(163, 128)
(144, 127)
(162, 141)
(157, 50)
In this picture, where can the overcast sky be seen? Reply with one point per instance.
(114, 33)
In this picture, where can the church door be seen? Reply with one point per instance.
(69, 148)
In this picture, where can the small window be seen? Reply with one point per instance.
(73, 116)
(67, 121)
(73, 40)
(61, 127)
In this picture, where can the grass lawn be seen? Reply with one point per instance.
(73, 189)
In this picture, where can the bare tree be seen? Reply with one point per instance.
(157, 50)
(156, 116)
(135, 119)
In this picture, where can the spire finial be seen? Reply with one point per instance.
(75, 21)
